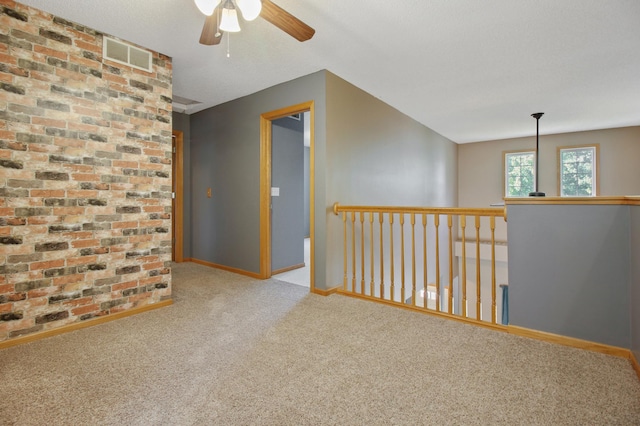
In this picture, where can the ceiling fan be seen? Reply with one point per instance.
(222, 17)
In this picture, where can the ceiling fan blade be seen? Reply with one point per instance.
(286, 21)
(211, 35)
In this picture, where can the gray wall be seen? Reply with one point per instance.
(181, 122)
(635, 280)
(364, 152)
(569, 271)
(287, 212)
(225, 155)
(378, 156)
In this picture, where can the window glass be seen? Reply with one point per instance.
(519, 173)
(578, 171)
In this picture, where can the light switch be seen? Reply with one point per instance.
(209, 192)
(275, 192)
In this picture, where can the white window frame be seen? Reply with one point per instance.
(595, 172)
(505, 172)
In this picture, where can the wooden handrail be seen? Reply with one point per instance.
(489, 211)
(629, 200)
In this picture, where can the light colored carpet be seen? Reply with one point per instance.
(236, 351)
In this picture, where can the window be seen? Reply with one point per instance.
(519, 173)
(577, 169)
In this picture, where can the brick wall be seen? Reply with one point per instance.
(85, 176)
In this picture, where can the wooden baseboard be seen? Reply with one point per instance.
(327, 292)
(634, 363)
(424, 311)
(287, 269)
(518, 331)
(84, 324)
(224, 268)
(569, 341)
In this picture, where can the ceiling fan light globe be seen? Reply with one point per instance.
(207, 6)
(229, 21)
(250, 9)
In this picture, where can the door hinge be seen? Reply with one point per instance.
(173, 195)
(174, 149)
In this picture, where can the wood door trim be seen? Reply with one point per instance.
(265, 185)
(288, 268)
(179, 208)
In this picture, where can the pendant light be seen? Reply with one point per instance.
(535, 192)
(229, 21)
(250, 10)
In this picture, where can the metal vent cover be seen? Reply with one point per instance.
(123, 53)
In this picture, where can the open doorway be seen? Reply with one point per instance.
(290, 199)
(268, 192)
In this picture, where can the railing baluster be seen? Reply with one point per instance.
(450, 224)
(402, 293)
(494, 312)
(392, 288)
(463, 283)
(344, 279)
(372, 288)
(381, 218)
(478, 288)
(425, 293)
(446, 298)
(353, 251)
(413, 259)
(436, 222)
(362, 285)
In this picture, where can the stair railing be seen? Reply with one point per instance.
(431, 259)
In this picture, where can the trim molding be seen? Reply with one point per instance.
(488, 325)
(328, 292)
(224, 268)
(287, 269)
(265, 185)
(569, 341)
(624, 201)
(84, 324)
(504, 166)
(634, 363)
(559, 149)
(178, 211)
(511, 329)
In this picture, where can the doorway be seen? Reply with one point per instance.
(266, 165)
(177, 165)
(290, 242)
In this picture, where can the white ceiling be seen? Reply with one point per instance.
(470, 70)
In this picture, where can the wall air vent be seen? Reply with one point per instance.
(126, 54)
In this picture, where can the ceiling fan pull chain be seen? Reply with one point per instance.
(228, 45)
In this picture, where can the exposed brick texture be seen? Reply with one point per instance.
(85, 176)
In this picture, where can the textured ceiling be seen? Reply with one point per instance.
(470, 70)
